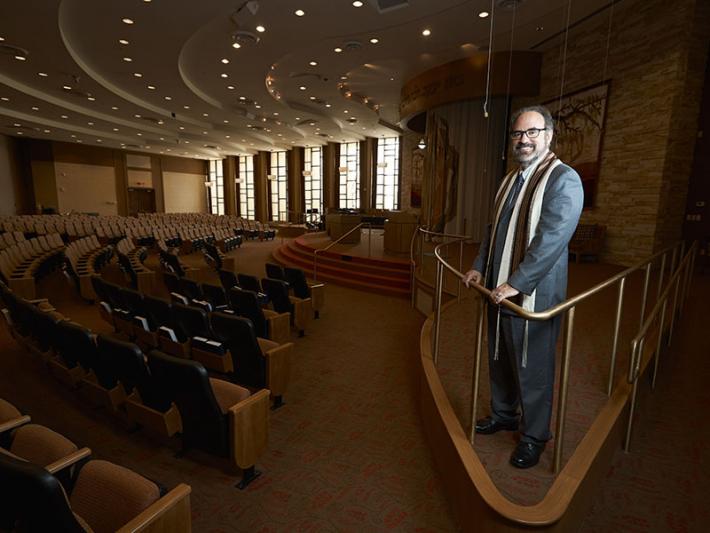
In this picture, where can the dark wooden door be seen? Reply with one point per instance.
(141, 201)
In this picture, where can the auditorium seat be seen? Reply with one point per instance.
(187, 322)
(74, 354)
(267, 324)
(159, 313)
(105, 497)
(257, 362)
(249, 283)
(296, 279)
(215, 295)
(228, 279)
(10, 416)
(274, 271)
(300, 309)
(147, 403)
(218, 417)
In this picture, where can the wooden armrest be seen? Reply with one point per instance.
(249, 428)
(316, 286)
(279, 326)
(68, 460)
(169, 513)
(14, 423)
(278, 368)
(302, 312)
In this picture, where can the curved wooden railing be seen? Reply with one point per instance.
(645, 348)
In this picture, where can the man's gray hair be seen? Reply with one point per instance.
(541, 109)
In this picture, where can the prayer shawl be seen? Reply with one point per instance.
(521, 230)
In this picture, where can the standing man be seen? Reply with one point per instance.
(524, 258)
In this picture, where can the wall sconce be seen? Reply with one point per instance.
(271, 177)
(422, 144)
(306, 173)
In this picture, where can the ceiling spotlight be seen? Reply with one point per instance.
(225, 60)
(236, 45)
(357, 3)
(205, 114)
(138, 74)
(137, 115)
(115, 129)
(426, 32)
(91, 98)
(374, 40)
(483, 14)
(230, 87)
(65, 117)
(242, 98)
(313, 63)
(312, 97)
(4, 98)
(20, 58)
(299, 12)
(127, 21)
(66, 87)
(343, 77)
(151, 87)
(257, 106)
(422, 144)
(35, 108)
(47, 131)
(302, 87)
(186, 107)
(127, 59)
(168, 98)
(224, 75)
(43, 74)
(260, 28)
(276, 113)
(327, 105)
(123, 41)
(337, 50)
(114, 108)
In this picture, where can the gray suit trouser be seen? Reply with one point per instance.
(531, 388)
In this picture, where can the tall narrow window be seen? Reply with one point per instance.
(387, 179)
(313, 179)
(247, 207)
(215, 189)
(278, 183)
(349, 170)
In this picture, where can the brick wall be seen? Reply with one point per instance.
(656, 65)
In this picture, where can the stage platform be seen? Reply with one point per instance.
(365, 265)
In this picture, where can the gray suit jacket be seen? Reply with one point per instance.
(544, 266)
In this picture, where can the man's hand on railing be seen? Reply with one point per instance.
(502, 292)
(472, 276)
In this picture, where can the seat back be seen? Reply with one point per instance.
(190, 288)
(75, 345)
(159, 312)
(297, 281)
(214, 295)
(188, 385)
(172, 282)
(32, 499)
(44, 329)
(249, 282)
(113, 292)
(246, 304)
(127, 363)
(274, 271)
(277, 291)
(228, 279)
(133, 301)
(237, 333)
(191, 321)
(99, 286)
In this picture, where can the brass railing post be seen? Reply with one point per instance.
(660, 277)
(437, 322)
(562, 402)
(635, 354)
(458, 294)
(659, 344)
(482, 309)
(644, 298)
(673, 309)
(615, 343)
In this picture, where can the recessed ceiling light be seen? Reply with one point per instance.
(123, 41)
(337, 50)
(374, 40)
(2, 38)
(225, 121)
(313, 63)
(276, 113)
(35, 108)
(4, 98)
(343, 77)
(151, 87)
(65, 117)
(137, 115)
(73, 136)
(48, 131)
(236, 45)
(302, 87)
(299, 12)
(168, 97)
(426, 32)
(17, 125)
(312, 97)
(162, 138)
(20, 133)
(242, 98)
(127, 21)
(139, 134)
(115, 129)
(298, 118)
(230, 87)
(224, 75)
(204, 133)
(20, 58)
(99, 141)
(260, 28)
(79, 141)
(257, 106)
(43, 74)
(181, 128)
(205, 115)
(186, 107)
(225, 60)
(127, 59)
(357, 3)
(346, 111)
(391, 79)
(66, 87)
(483, 14)
(91, 98)
(138, 74)
(327, 105)
(114, 108)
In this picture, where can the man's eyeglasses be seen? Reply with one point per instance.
(531, 133)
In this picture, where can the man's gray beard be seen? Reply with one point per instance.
(526, 164)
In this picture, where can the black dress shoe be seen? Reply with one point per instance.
(526, 454)
(488, 426)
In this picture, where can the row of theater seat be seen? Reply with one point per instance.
(164, 394)
(221, 340)
(10, 238)
(24, 262)
(50, 484)
(83, 258)
(130, 259)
